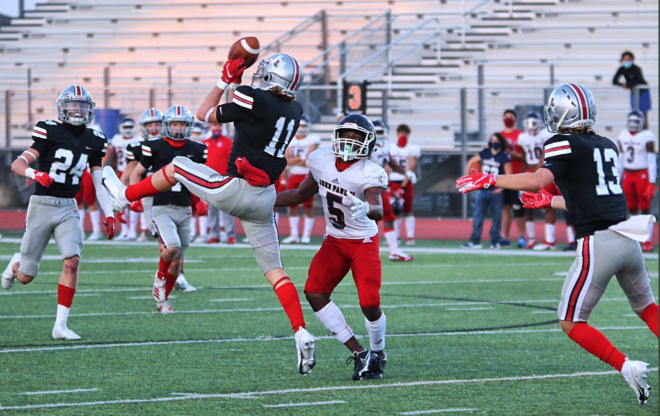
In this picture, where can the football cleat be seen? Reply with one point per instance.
(545, 246)
(505, 243)
(164, 307)
(95, 236)
(291, 240)
(531, 243)
(361, 362)
(143, 237)
(377, 365)
(471, 245)
(647, 246)
(495, 246)
(200, 239)
(159, 289)
(231, 240)
(183, 285)
(213, 240)
(400, 256)
(522, 242)
(8, 277)
(64, 333)
(305, 348)
(115, 188)
(636, 374)
(305, 240)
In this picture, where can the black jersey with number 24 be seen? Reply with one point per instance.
(586, 170)
(265, 124)
(65, 151)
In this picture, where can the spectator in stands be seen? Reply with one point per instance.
(633, 77)
(511, 199)
(493, 159)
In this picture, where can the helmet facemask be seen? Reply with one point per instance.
(152, 129)
(127, 129)
(635, 123)
(75, 112)
(177, 129)
(352, 142)
(532, 125)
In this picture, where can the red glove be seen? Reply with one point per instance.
(649, 191)
(43, 178)
(120, 217)
(202, 208)
(253, 175)
(136, 206)
(475, 181)
(232, 71)
(110, 224)
(533, 200)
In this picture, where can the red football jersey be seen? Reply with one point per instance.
(512, 136)
(218, 153)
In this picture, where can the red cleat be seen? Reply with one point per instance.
(647, 246)
(213, 240)
(231, 240)
(400, 256)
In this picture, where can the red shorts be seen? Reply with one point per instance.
(87, 192)
(388, 212)
(280, 183)
(293, 183)
(635, 183)
(408, 192)
(336, 257)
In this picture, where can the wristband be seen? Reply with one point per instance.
(29, 173)
(208, 114)
(221, 84)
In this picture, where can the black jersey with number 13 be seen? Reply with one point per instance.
(586, 170)
(265, 124)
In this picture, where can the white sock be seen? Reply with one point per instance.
(293, 224)
(143, 222)
(62, 316)
(549, 233)
(531, 233)
(392, 243)
(570, 234)
(277, 218)
(133, 222)
(193, 228)
(95, 216)
(332, 318)
(376, 330)
(397, 227)
(81, 213)
(203, 225)
(410, 227)
(307, 230)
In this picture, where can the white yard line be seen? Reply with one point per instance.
(304, 404)
(35, 393)
(435, 411)
(348, 387)
(290, 338)
(468, 309)
(232, 300)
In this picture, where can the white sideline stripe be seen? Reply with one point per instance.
(469, 309)
(304, 404)
(152, 259)
(232, 300)
(544, 312)
(434, 411)
(315, 389)
(315, 247)
(34, 393)
(289, 338)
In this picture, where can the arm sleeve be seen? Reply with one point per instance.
(101, 194)
(240, 108)
(615, 80)
(557, 153)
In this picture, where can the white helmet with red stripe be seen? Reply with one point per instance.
(570, 105)
(279, 71)
(75, 105)
(174, 114)
(151, 121)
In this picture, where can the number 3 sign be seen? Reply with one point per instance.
(355, 97)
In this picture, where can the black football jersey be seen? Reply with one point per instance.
(65, 151)
(134, 151)
(586, 170)
(265, 125)
(159, 153)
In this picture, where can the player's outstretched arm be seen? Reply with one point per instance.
(232, 73)
(534, 181)
(305, 190)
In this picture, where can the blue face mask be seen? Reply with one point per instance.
(627, 64)
(495, 145)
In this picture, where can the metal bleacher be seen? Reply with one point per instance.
(131, 53)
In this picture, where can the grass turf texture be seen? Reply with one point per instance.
(476, 325)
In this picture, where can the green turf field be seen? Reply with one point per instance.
(468, 334)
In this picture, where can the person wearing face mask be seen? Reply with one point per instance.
(632, 75)
(405, 156)
(511, 199)
(492, 159)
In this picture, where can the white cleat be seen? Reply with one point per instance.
(131, 237)
(291, 240)
(305, 240)
(115, 188)
(96, 236)
(400, 256)
(121, 237)
(143, 237)
(64, 333)
(305, 348)
(183, 285)
(8, 277)
(164, 308)
(636, 374)
(545, 247)
(200, 239)
(159, 289)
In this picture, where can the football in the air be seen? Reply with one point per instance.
(247, 48)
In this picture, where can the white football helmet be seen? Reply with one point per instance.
(177, 113)
(75, 105)
(570, 105)
(127, 127)
(151, 115)
(635, 121)
(280, 70)
(532, 123)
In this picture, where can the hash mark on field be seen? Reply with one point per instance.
(289, 338)
(434, 411)
(469, 309)
(232, 300)
(34, 393)
(304, 404)
(194, 396)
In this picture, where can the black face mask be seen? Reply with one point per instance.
(495, 145)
